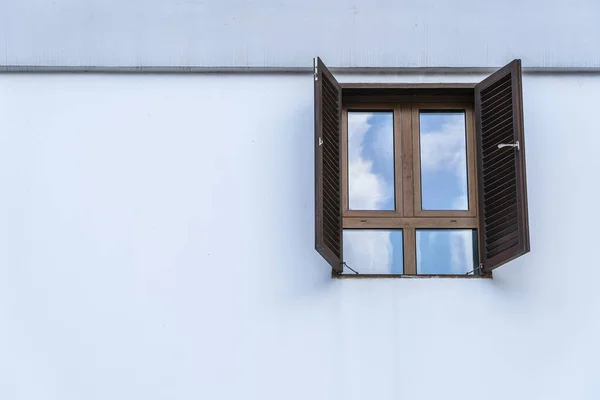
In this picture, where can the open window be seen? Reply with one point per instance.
(420, 179)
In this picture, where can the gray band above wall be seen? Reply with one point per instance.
(273, 70)
(200, 36)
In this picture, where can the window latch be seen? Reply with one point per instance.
(516, 144)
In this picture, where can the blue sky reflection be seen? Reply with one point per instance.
(370, 160)
(445, 251)
(373, 251)
(443, 161)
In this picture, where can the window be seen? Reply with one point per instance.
(420, 179)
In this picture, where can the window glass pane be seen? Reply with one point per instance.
(446, 251)
(373, 251)
(443, 160)
(371, 160)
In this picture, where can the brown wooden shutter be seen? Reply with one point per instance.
(328, 166)
(503, 225)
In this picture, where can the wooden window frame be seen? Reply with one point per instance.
(408, 214)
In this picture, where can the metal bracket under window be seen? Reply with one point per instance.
(316, 70)
(479, 269)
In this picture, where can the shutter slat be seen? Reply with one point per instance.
(507, 113)
(500, 192)
(501, 125)
(328, 111)
(502, 175)
(500, 210)
(514, 241)
(503, 91)
(498, 161)
(327, 120)
(499, 172)
(489, 92)
(503, 221)
(502, 133)
(499, 201)
(499, 187)
(328, 238)
(328, 183)
(492, 240)
(497, 224)
(508, 227)
(501, 227)
(332, 91)
(328, 158)
(499, 90)
(498, 107)
(330, 201)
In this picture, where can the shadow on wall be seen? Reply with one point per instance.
(301, 272)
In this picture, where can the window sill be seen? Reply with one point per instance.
(393, 276)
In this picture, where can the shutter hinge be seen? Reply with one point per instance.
(316, 70)
(516, 144)
(320, 142)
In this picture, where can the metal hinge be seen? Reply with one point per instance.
(516, 144)
(316, 70)
(320, 142)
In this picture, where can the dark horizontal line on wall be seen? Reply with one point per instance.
(271, 70)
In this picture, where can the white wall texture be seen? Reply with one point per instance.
(288, 33)
(157, 242)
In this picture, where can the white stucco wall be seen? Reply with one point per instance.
(156, 242)
(288, 33)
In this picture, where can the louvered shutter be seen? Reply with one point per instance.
(503, 225)
(328, 166)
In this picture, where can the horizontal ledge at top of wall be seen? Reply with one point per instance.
(271, 70)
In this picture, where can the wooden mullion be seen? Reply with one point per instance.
(409, 251)
(407, 162)
(416, 161)
(398, 161)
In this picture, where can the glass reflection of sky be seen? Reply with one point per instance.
(443, 161)
(371, 160)
(445, 251)
(373, 251)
